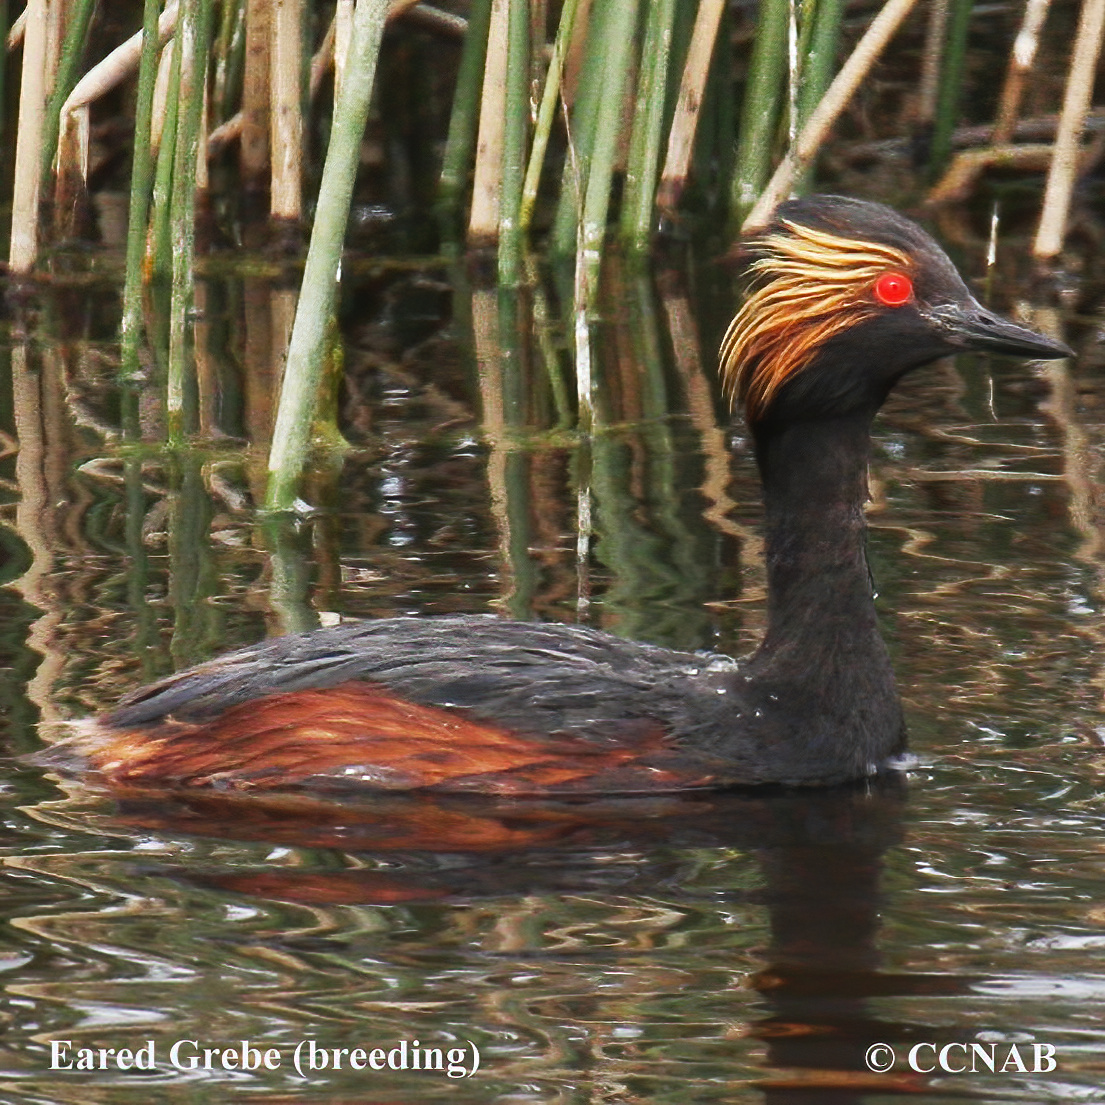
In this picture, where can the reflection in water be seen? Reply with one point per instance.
(735, 947)
(812, 861)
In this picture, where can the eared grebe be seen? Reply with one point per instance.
(848, 297)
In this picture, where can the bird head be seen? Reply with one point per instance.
(846, 297)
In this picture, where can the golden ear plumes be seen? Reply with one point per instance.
(807, 286)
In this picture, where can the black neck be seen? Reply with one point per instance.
(815, 487)
(822, 674)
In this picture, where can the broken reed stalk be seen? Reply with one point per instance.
(23, 247)
(643, 162)
(112, 70)
(951, 85)
(688, 107)
(1021, 59)
(73, 152)
(516, 108)
(193, 43)
(72, 50)
(465, 115)
(483, 218)
(18, 29)
(760, 109)
(286, 115)
(961, 176)
(546, 113)
(618, 52)
(844, 85)
(140, 180)
(303, 371)
(1076, 101)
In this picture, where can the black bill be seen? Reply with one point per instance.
(971, 326)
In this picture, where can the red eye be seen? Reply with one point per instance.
(892, 289)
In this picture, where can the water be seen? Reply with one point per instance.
(731, 948)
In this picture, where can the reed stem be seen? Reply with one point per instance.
(464, 119)
(343, 33)
(4, 21)
(140, 180)
(760, 109)
(581, 132)
(642, 166)
(688, 106)
(932, 57)
(844, 85)
(550, 97)
(230, 55)
(1021, 60)
(1076, 102)
(286, 118)
(23, 247)
(617, 50)
(516, 109)
(253, 146)
(483, 217)
(193, 43)
(299, 391)
(951, 84)
(161, 238)
(819, 60)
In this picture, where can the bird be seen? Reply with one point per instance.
(845, 298)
